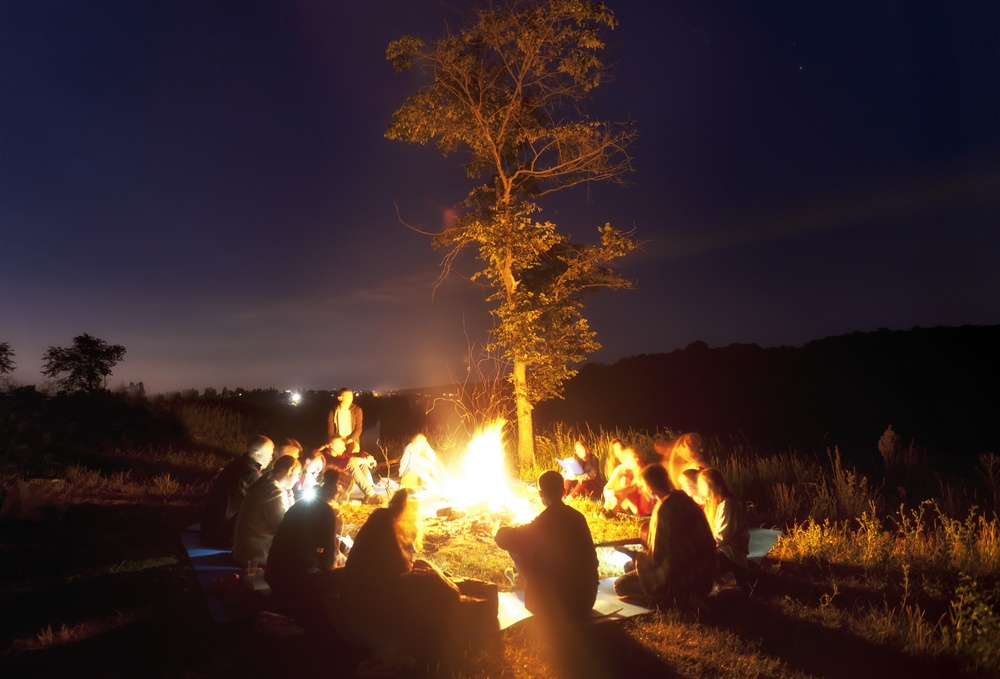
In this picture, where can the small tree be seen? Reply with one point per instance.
(6, 358)
(85, 366)
(509, 91)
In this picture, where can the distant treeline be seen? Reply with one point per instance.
(939, 387)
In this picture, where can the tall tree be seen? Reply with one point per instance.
(509, 91)
(85, 366)
(6, 358)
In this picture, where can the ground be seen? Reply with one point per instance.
(108, 591)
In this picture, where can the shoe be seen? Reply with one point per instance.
(373, 499)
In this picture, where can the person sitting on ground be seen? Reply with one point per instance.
(585, 483)
(689, 484)
(418, 465)
(306, 547)
(554, 555)
(621, 492)
(684, 452)
(678, 564)
(389, 600)
(262, 510)
(613, 459)
(346, 421)
(358, 467)
(313, 464)
(290, 447)
(228, 488)
(728, 519)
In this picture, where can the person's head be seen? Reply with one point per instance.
(550, 487)
(312, 464)
(689, 482)
(711, 485)
(261, 450)
(338, 446)
(629, 457)
(331, 481)
(654, 481)
(580, 450)
(346, 398)
(291, 447)
(286, 471)
(405, 509)
(616, 449)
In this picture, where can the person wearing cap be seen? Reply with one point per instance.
(228, 488)
(554, 556)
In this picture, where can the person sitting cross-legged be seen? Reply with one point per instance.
(678, 564)
(306, 547)
(554, 555)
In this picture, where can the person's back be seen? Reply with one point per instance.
(682, 551)
(225, 496)
(305, 545)
(555, 555)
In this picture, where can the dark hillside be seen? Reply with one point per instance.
(938, 386)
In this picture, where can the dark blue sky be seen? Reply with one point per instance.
(207, 184)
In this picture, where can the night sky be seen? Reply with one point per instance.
(207, 184)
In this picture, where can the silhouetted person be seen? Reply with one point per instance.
(229, 487)
(305, 549)
(678, 564)
(264, 506)
(554, 555)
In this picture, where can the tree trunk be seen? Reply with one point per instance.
(525, 432)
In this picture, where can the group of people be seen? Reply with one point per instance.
(695, 532)
(279, 510)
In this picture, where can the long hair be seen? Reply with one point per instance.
(405, 509)
(612, 461)
(717, 492)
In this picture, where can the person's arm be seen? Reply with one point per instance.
(725, 524)
(330, 543)
(357, 419)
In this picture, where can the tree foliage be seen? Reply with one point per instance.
(83, 367)
(6, 358)
(509, 92)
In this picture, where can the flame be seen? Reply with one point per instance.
(480, 477)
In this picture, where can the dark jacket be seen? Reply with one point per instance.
(225, 495)
(556, 557)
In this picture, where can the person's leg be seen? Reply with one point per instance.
(361, 475)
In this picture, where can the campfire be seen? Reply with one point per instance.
(478, 483)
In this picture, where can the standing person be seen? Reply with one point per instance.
(305, 549)
(728, 519)
(262, 510)
(346, 421)
(585, 483)
(358, 467)
(554, 555)
(678, 563)
(229, 487)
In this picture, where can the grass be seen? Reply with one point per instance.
(852, 587)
